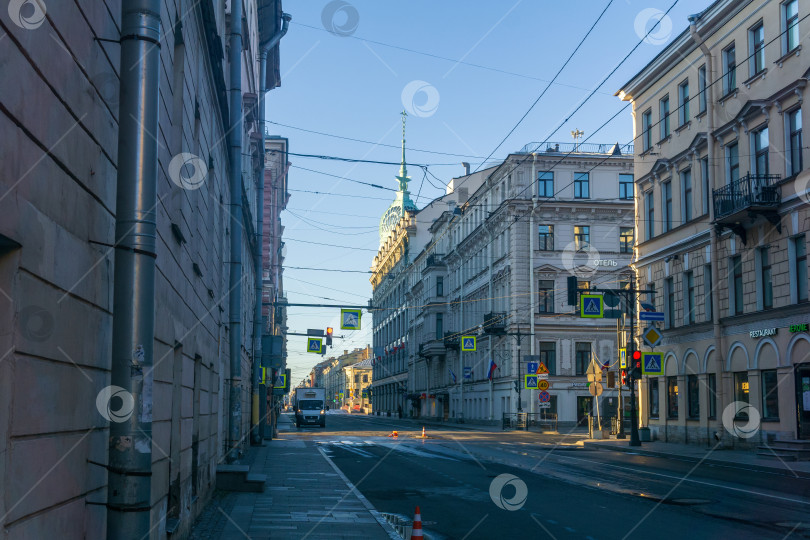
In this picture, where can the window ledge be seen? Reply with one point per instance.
(795, 52)
(756, 77)
(683, 126)
(700, 115)
(662, 141)
(728, 95)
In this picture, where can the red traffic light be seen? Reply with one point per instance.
(636, 355)
(329, 331)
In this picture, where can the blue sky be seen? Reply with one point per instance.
(342, 74)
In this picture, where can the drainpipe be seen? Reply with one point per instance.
(259, 393)
(130, 449)
(715, 240)
(532, 292)
(235, 210)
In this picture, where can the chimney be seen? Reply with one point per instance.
(466, 168)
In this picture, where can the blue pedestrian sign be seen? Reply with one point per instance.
(652, 363)
(350, 319)
(314, 345)
(531, 367)
(591, 306)
(651, 316)
(467, 372)
(530, 382)
(467, 343)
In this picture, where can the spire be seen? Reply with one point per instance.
(403, 169)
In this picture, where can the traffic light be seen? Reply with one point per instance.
(611, 379)
(624, 377)
(572, 290)
(635, 372)
(329, 335)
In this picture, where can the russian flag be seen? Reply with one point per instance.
(492, 367)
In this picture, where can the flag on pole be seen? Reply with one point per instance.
(453, 376)
(492, 367)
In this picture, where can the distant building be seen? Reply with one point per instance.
(338, 376)
(723, 219)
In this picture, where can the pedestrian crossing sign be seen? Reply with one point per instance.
(264, 376)
(591, 306)
(314, 345)
(652, 363)
(530, 382)
(350, 319)
(467, 343)
(281, 381)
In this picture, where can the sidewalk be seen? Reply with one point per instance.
(305, 497)
(697, 453)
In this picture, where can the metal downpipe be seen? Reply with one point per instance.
(235, 211)
(130, 444)
(260, 394)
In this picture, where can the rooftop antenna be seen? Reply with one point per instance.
(577, 134)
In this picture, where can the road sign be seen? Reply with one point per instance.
(467, 372)
(544, 397)
(350, 319)
(314, 345)
(622, 358)
(543, 384)
(281, 381)
(531, 367)
(467, 343)
(530, 382)
(652, 363)
(651, 316)
(595, 389)
(613, 314)
(651, 336)
(542, 369)
(591, 306)
(314, 332)
(544, 405)
(594, 372)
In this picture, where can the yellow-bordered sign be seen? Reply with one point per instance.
(350, 319)
(591, 306)
(281, 381)
(314, 345)
(467, 343)
(652, 363)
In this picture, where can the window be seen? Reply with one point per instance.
(702, 89)
(582, 186)
(666, 204)
(672, 397)
(439, 326)
(683, 103)
(582, 236)
(711, 382)
(357, 377)
(546, 233)
(646, 130)
(583, 357)
(756, 50)
(686, 187)
(626, 186)
(626, 239)
(794, 126)
(548, 355)
(365, 378)
(546, 301)
(800, 258)
(654, 398)
(545, 184)
(704, 178)
(761, 151)
(707, 291)
(650, 205)
(692, 396)
(737, 285)
(766, 289)
(732, 163)
(663, 110)
(790, 25)
(689, 297)
(741, 393)
(439, 286)
(770, 395)
(729, 70)
(669, 290)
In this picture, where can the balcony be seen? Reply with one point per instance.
(452, 340)
(495, 323)
(434, 347)
(742, 201)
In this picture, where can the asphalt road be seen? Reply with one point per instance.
(555, 488)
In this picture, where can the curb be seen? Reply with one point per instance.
(693, 459)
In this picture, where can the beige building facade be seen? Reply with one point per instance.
(722, 224)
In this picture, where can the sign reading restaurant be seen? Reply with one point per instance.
(764, 332)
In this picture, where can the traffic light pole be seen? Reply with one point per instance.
(634, 440)
(520, 400)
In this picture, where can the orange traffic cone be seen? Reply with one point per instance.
(424, 436)
(394, 434)
(416, 532)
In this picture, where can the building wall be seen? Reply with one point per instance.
(58, 119)
(721, 338)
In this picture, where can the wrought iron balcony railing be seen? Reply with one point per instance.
(753, 192)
